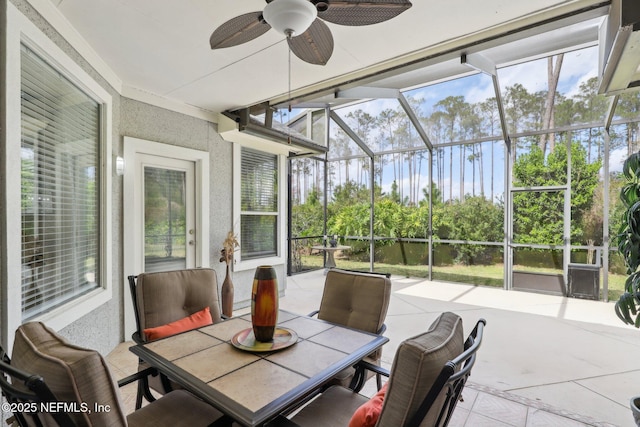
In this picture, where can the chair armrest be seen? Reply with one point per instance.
(382, 329)
(374, 368)
(313, 313)
(137, 376)
(137, 338)
(358, 380)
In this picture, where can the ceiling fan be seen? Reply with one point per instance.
(301, 22)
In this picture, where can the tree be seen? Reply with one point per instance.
(451, 109)
(629, 108)
(488, 110)
(363, 124)
(435, 191)
(395, 196)
(474, 219)
(538, 216)
(354, 220)
(435, 122)
(553, 76)
(591, 107)
(307, 219)
(350, 193)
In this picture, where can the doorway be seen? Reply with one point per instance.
(539, 262)
(165, 211)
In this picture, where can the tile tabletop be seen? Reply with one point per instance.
(253, 387)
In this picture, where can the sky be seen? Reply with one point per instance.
(578, 67)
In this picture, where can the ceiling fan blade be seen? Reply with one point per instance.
(356, 13)
(315, 45)
(238, 30)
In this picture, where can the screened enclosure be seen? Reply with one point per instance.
(504, 176)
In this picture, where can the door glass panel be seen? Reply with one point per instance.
(164, 219)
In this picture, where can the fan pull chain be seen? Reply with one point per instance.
(289, 116)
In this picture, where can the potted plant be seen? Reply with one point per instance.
(628, 306)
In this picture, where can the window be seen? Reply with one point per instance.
(60, 188)
(258, 204)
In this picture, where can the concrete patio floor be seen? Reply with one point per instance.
(545, 360)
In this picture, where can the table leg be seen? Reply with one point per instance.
(331, 262)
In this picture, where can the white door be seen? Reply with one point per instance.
(165, 207)
(167, 212)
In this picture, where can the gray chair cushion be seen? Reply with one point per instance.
(354, 299)
(74, 374)
(167, 296)
(177, 408)
(357, 300)
(417, 364)
(334, 407)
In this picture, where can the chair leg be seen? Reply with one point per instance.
(166, 384)
(144, 390)
(379, 381)
(357, 382)
(139, 395)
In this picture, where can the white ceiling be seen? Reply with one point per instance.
(161, 47)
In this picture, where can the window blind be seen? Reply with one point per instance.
(259, 204)
(60, 135)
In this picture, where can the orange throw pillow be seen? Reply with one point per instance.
(367, 415)
(196, 320)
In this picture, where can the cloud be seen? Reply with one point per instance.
(616, 159)
(577, 67)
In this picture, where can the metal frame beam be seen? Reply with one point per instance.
(605, 196)
(415, 121)
(354, 136)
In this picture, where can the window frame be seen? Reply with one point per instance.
(22, 31)
(279, 258)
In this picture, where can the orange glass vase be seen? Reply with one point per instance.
(264, 303)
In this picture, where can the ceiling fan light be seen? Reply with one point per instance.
(290, 17)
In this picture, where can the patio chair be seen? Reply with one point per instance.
(428, 375)
(358, 300)
(165, 299)
(52, 382)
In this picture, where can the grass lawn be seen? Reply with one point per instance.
(481, 275)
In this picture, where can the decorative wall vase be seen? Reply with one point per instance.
(226, 294)
(264, 303)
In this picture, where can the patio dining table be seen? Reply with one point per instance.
(330, 251)
(254, 382)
